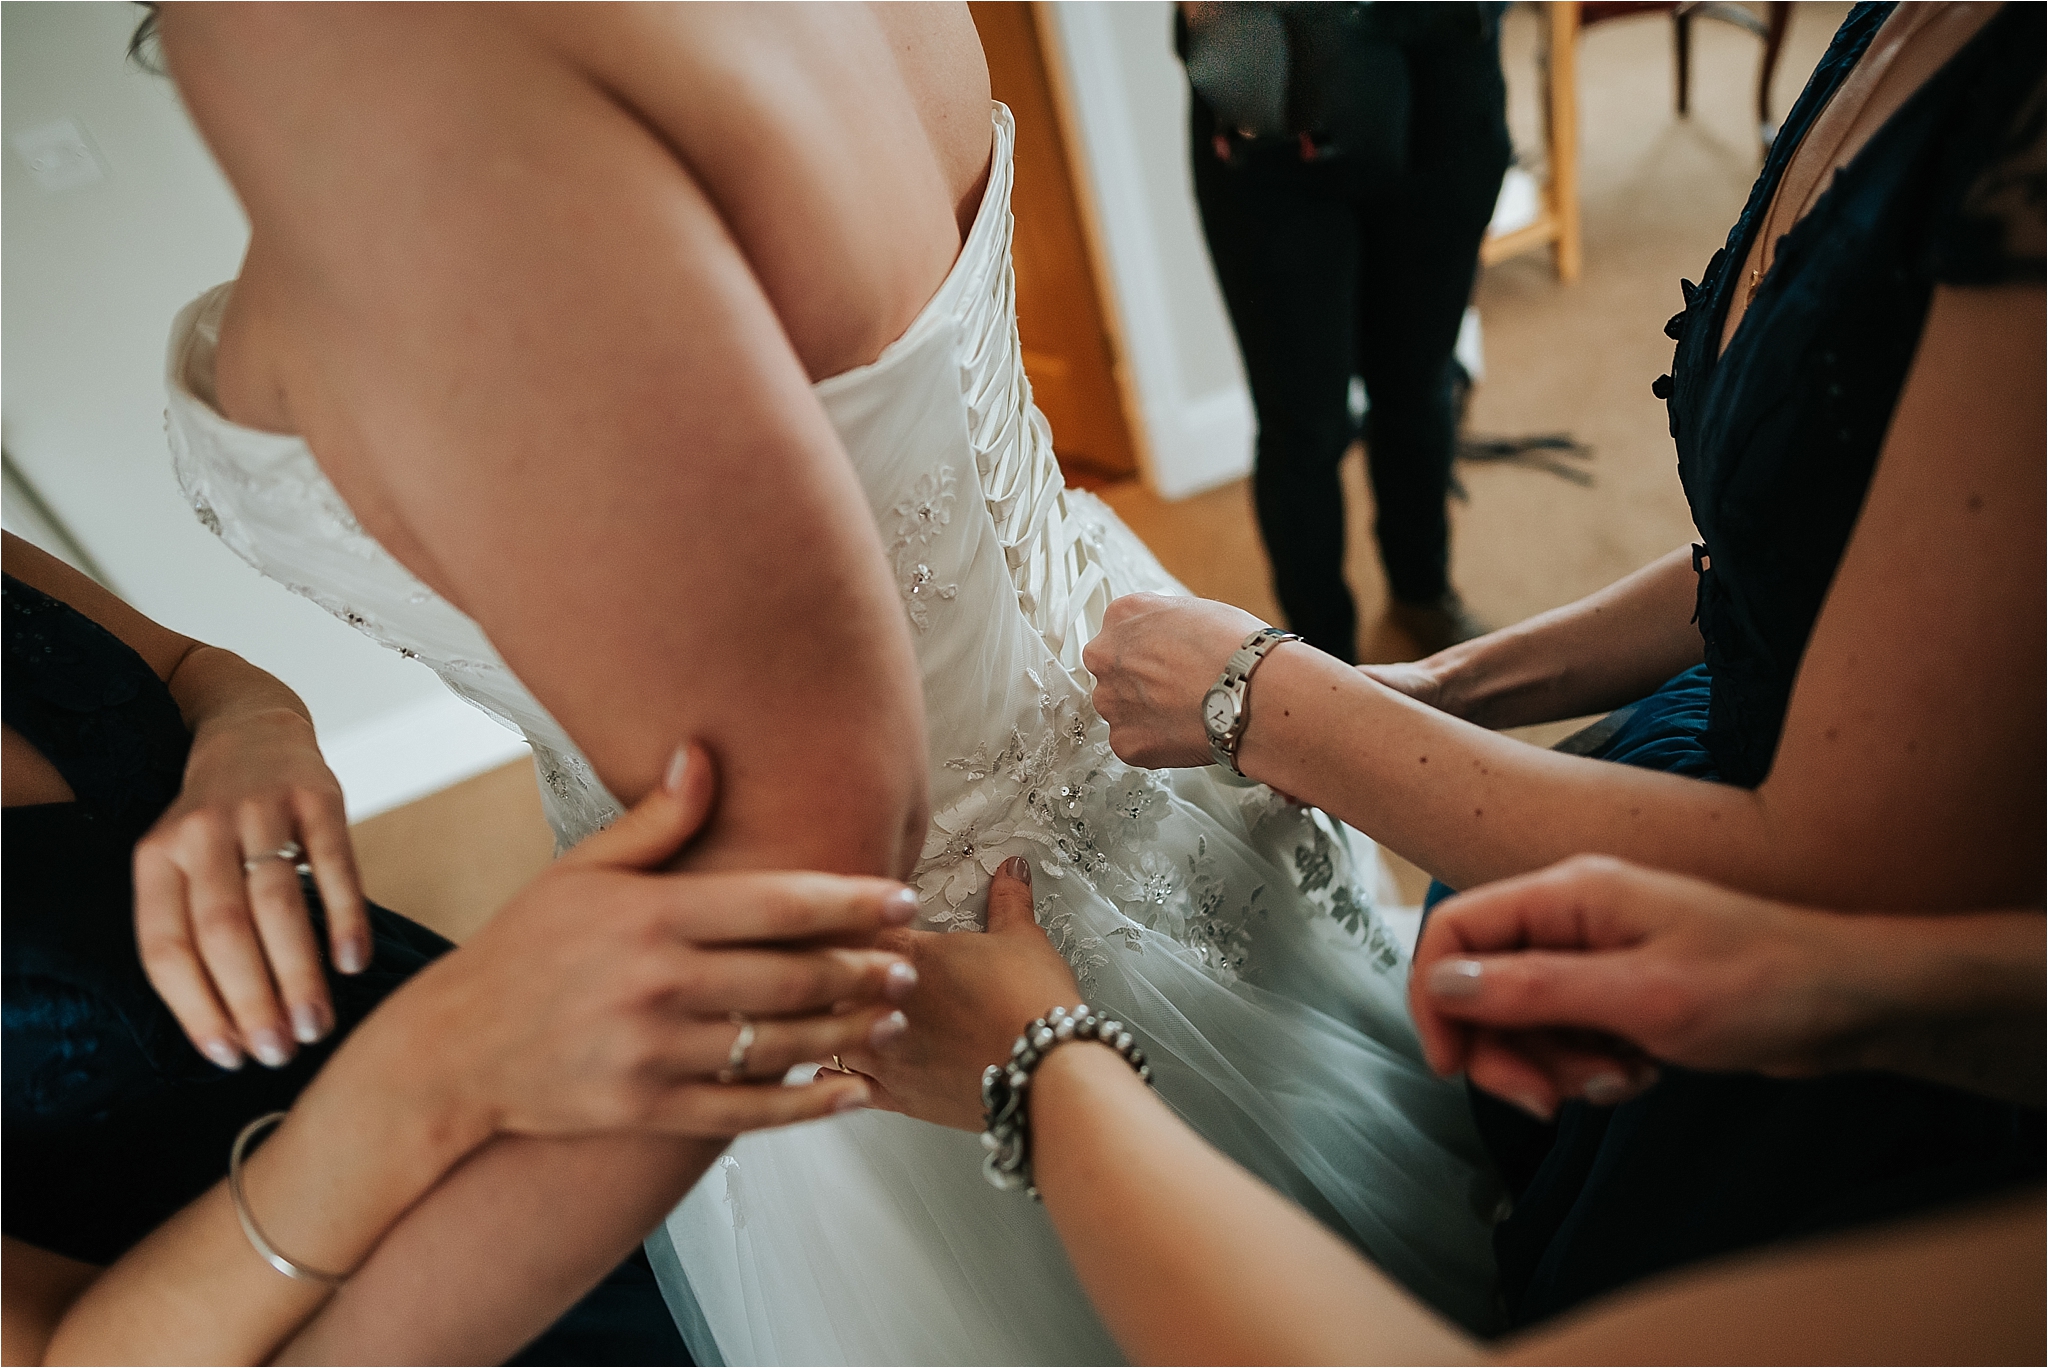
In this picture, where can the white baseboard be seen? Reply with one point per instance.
(419, 749)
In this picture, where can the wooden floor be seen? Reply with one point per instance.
(1659, 195)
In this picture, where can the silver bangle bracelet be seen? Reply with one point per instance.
(1005, 1088)
(257, 1240)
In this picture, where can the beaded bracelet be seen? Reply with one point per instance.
(1004, 1087)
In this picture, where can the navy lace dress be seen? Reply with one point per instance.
(1777, 440)
(112, 1120)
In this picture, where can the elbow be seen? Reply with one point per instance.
(860, 810)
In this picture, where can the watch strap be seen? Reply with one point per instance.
(1236, 680)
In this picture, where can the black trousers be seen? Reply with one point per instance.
(1332, 269)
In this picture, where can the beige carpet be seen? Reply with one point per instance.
(1660, 193)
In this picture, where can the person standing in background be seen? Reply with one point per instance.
(1346, 162)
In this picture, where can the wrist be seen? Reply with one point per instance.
(1292, 716)
(418, 1057)
(1007, 1088)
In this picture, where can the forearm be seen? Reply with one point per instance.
(374, 1132)
(1953, 999)
(1471, 806)
(1607, 649)
(493, 1255)
(1188, 1258)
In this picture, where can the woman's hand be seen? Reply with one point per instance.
(1153, 660)
(974, 995)
(1567, 982)
(604, 996)
(1415, 678)
(228, 944)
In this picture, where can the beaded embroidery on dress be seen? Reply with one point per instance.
(1232, 929)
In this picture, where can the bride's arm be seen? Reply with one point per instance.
(1909, 772)
(521, 338)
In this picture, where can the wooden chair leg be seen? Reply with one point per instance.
(1778, 15)
(1681, 40)
(1563, 109)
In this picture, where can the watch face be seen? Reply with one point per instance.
(1219, 712)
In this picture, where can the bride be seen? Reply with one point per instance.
(663, 375)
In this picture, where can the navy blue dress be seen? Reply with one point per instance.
(1777, 440)
(112, 1120)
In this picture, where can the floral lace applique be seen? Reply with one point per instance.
(1082, 953)
(1312, 863)
(919, 521)
(1136, 800)
(963, 847)
(1153, 884)
(1219, 934)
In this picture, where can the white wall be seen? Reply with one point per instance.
(93, 273)
(1126, 106)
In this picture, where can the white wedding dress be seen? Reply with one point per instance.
(1232, 929)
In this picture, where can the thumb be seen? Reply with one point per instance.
(663, 822)
(1009, 898)
(1602, 991)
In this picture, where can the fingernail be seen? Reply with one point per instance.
(898, 982)
(853, 1099)
(1606, 1089)
(352, 957)
(268, 1047)
(1535, 1106)
(309, 1023)
(223, 1053)
(678, 767)
(900, 907)
(1455, 978)
(887, 1029)
(1018, 868)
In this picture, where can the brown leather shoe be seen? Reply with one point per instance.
(1439, 624)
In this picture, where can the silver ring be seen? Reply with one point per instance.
(736, 1058)
(291, 852)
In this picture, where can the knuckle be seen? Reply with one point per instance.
(215, 918)
(796, 982)
(1595, 873)
(160, 942)
(692, 978)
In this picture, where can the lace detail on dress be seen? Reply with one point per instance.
(729, 1169)
(1082, 952)
(920, 519)
(1059, 793)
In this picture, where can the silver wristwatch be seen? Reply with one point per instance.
(1225, 710)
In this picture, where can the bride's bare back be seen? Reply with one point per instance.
(544, 288)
